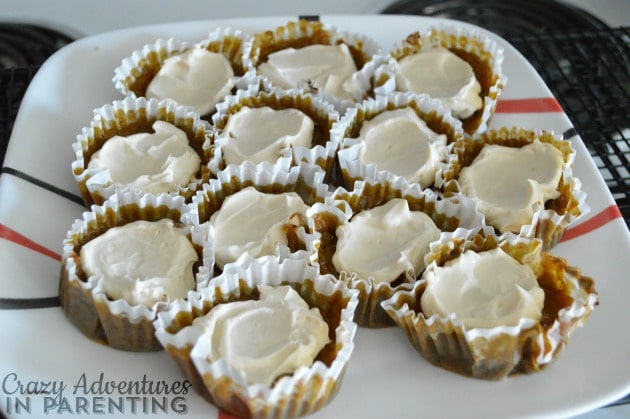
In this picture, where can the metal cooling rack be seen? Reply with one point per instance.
(589, 74)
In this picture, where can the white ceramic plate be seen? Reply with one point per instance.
(385, 378)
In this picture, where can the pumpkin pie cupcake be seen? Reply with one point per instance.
(142, 145)
(460, 67)
(258, 210)
(315, 57)
(125, 261)
(303, 318)
(522, 181)
(264, 126)
(196, 74)
(493, 306)
(405, 134)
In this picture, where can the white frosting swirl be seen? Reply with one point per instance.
(264, 338)
(328, 68)
(264, 134)
(196, 77)
(483, 290)
(442, 75)
(510, 184)
(253, 222)
(400, 141)
(384, 242)
(142, 262)
(150, 162)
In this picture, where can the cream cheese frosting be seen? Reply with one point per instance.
(385, 242)
(197, 77)
(510, 184)
(265, 338)
(150, 162)
(483, 290)
(328, 68)
(264, 134)
(142, 262)
(400, 141)
(442, 75)
(253, 222)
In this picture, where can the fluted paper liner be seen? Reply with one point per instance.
(231, 43)
(548, 223)
(117, 323)
(322, 151)
(496, 353)
(448, 215)
(305, 180)
(130, 116)
(305, 391)
(480, 51)
(301, 33)
(346, 131)
(133, 76)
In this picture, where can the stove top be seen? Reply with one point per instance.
(23, 49)
(505, 18)
(24, 45)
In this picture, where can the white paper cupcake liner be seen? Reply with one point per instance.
(321, 112)
(496, 353)
(547, 224)
(134, 74)
(117, 323)
(305, 391)
(346, 131)
(472, 42)
(305, 180)
(457, 213)
(126, 117)
(231, 43)
(310, 33)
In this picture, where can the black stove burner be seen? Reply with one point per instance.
(25, 45)
(504, 17)
(23, 49)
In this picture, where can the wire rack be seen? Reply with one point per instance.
(588, 72)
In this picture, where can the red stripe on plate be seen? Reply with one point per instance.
(15, 237)
(533, 105)
(593, 223)
(223, 415)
